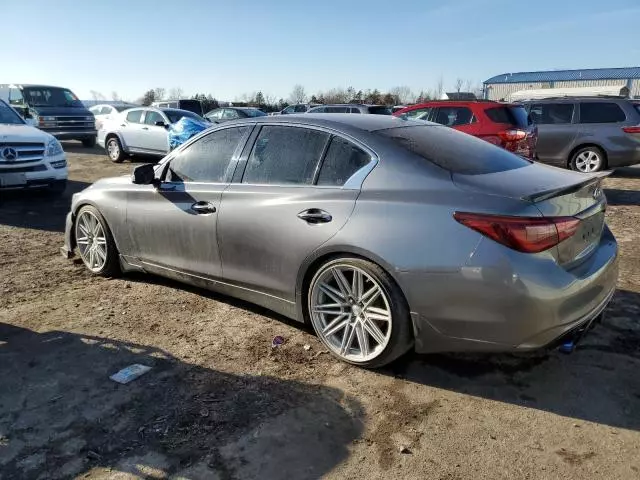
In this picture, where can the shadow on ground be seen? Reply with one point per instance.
(626, 172)
(38, 209)
(597, 383)
(61, 416)
(619, 197)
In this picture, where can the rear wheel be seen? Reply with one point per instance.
(359, 312)
(114, 150)
(588, 160)
(95, 243)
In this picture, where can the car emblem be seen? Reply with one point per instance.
(9, 153)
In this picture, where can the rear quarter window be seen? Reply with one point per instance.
(454, 151)
(601, 112)
(516, 116)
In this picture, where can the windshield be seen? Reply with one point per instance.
(51, 97)
(175, 115)
(254, 112)
(9, 116)
(122, 108)
(454, 151)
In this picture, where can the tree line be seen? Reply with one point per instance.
(400, 95)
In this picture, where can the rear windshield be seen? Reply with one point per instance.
(516, 116)
(254, 112)
(453, 150)
(380, 110)
(122, 108)
(175, 115)
(9, 116)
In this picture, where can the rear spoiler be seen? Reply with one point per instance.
(556, 192)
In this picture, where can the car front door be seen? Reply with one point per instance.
(131, 128)
(556, 131)
(173, 226)
(156, 138)
(284, 206)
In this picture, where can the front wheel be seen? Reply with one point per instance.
(95, 243)
(359, 312)
(114, 150)
(588, 160)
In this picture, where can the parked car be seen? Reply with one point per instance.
(29, 158)
(370, 227)
(502, 124)
(141, 130)
(352, 108)
(225, 114)
(587, 134)
(104, 112)
(188, 104)
(55, 110)
(297, 108)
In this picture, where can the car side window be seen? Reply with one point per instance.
(418, 114)
(551, 113)
(342, 160)
(601, 112)
(452, 116)
(216, 114)
(230, 114)
(134, 116)
(300, 109)
(152, 117)
(355, 110)
(105, 111)
(289, 110)
(207, 160)
(285, 156)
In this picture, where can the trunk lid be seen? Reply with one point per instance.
(555, 193)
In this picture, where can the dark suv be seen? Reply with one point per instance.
(587, 134)
(503, 124)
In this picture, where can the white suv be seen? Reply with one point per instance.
(29, 157)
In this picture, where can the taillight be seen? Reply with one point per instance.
(512, 135)
(524, 234)
(635, 129)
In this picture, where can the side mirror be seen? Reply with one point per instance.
(144, 175)
(160, 123)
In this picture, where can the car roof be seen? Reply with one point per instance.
(22, 85)
(578, 99)
(350, 105)
(368, 123)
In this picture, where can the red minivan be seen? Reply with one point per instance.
(504, 124)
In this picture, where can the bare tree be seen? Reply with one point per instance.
(458, 86)
(298, 94)
(96, 95)
(402, 94)
(468, 85)
(115, 97)
(159, 94)
(270, 99)
(437, 94)
(176, 93)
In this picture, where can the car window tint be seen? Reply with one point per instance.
(379, 110)
(105, 111)
(300, 108)
(208, 159)
(215, 114)
(551, 113)
(451, 116)
(229, 114)
(134, 116)
(152, 117)
(516, 116)
(285, 155)
(453, 150)
(417, 114)
(601, 112)
(290, 109)
(336, 109)
(342, 160)
(355, 110)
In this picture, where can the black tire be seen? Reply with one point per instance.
(401, 338)
(57, 188)
(89, 142)
(117, 154)
(111, 267)
(592, 152)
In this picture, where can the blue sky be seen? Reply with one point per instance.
(228, 48)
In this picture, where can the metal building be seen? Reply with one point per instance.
(500, 86)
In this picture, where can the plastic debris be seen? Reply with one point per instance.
(405, 449)
(130, 373)
(184, 129)
(307, 347)
(277, 341)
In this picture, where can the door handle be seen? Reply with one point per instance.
(123, 124)
(315, 215)
(203, 207)
(145, 128)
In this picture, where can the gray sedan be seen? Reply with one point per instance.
(385, 234)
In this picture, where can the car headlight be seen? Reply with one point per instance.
(54, 148)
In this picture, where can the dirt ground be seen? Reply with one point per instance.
(220, 403)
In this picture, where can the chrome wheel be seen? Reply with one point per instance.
(588, 161)
(350, 311)
(91, 241)
(113, 149)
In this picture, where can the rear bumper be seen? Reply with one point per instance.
(505, 301)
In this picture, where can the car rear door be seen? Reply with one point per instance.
(285, 203)
(557, 131)
(155, 138)
(173, 227)
(601, 123)
(458, 117)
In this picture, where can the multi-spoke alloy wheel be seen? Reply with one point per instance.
(351, 310)
(94, 242)
(588, 160)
